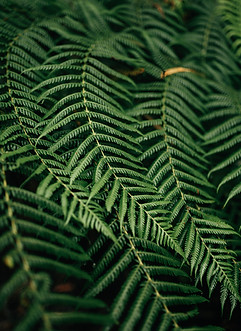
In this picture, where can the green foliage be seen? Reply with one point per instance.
(120, 163)
(149, 289)
(231, 13)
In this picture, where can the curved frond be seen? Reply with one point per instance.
(22, 139)
(36, 244)
(107, 136)
(207, 46)
(172, 157)
(223, 140)
(152, 291)
(119, 140)
(231, 15)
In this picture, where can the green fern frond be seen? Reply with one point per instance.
(186, 189)
(210, 52)
(33, 238)
(153, 287)
(223, 140)
(231, 14)
(102, 126)
(119, 139)
(28, 116)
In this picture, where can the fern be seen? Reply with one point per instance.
(146, 297)
(120, 163)
(33, 253)
(107, 145)
(210, 51)
(172, 154)
(223, 140)
(230, 14)
(28, 115)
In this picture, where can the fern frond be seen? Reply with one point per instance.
(31, 225)
(231, 14)
(108, 137)
(28, 113)
(223, 140)
(210, 51)
(181, 185)
(154, 288)
(112, 116)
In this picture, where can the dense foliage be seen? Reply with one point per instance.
(120, 163)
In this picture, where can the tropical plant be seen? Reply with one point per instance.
(120, 164)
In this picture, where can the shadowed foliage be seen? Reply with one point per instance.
(120, 164)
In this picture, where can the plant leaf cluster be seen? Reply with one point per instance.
(120, 163)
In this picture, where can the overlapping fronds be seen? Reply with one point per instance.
(159, 25)
(123, 119)
(177, 167)
(151, 289)
(36, 246)
(22, 140)
(230, 13)
(100, 137)
(208, 49)
(223, 140)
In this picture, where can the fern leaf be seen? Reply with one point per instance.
(99, 185)
(132, 216)
(112, 195)
(123, 207)
(185, 190)
(27, 241)
(235, 191)
(108, 134)
(71, 209)
(154, 298)
(112, 115)
(228, 152)
(230, 13)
